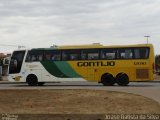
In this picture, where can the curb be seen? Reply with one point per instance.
(7, 82)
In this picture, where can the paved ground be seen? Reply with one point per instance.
(147, 89)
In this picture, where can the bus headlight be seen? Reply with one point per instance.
(17, 78)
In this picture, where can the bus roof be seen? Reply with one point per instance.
(92, 46)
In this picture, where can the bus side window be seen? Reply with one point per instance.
(125, 53)
(83, 56)
(47, 56)
(33, 58)
(137, 53)
(55, 55)
(108, 54)
(144, 53)
(28, 58)
(75, 56)
(71, 55)
(90, 54)
(64, 56)
(40, 57)
(141, 53)
(34, 55)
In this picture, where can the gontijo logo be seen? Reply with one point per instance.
(92, 64)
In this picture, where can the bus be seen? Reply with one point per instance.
(108, 65)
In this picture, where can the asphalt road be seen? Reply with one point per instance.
(147, 89)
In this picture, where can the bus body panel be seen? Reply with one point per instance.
(90, 70)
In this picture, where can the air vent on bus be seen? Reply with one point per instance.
(142, 73)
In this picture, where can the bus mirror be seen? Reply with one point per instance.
(6, 61)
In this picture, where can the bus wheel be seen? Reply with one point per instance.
(107, 79)
(32, 80)
(122, 79)
(41, 83)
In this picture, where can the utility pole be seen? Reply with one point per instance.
(147, 36)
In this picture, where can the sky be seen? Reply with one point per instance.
(42, 23)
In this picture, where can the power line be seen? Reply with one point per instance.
(19, 46)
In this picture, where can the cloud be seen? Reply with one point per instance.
(41, 23)
(45, 8)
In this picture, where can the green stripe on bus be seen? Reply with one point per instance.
(52, 68)
(67, 69)
(60, 69)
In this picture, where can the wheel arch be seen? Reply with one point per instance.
(33, 78)
(31, 75)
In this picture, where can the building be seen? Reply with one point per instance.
(4, 61)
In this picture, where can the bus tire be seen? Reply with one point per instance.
(122, 79)
(32, 80)
(107, 79)
(41, 83)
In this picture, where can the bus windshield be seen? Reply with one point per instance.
(16, 62)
